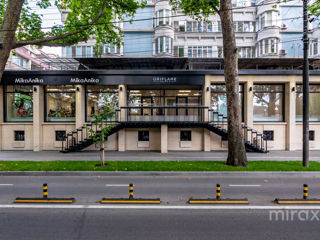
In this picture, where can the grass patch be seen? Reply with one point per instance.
(154, 166)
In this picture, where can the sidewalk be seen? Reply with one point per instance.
(151, 156)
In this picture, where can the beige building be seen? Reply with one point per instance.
(157, 110)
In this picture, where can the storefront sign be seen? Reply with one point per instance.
(99, 78)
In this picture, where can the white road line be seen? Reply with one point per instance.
(117, 185)
(235, 207)
(6, 184)
(244, 185)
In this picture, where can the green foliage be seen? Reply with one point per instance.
(105, 113)
(196, 7)
(80, 15)
(314, 9)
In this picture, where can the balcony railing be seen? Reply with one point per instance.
(164, 114)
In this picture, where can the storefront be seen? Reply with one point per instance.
(40, 108)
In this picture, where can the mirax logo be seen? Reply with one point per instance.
(294, 215)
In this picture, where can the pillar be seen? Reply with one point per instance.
(164, 138)
(122, 117)
(1, 115)
(206, 97)
(206, 140)
(248, 102)
(80, 106)
(38, 116)
(290, 112)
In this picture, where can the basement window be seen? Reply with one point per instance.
(311, 135)
(19, 135)
(268, 135)
(143, 136)
(185, 136)
(60, 135)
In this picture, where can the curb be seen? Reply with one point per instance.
(133, 173)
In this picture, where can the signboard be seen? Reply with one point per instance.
(90, 78)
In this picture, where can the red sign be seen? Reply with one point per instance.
(21, 111)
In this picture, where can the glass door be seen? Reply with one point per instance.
(182, 102)
(146, 102)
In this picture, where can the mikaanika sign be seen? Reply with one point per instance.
(101, 78)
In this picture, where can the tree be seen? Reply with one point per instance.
(201, 9)
(105, 112)
(20, 26)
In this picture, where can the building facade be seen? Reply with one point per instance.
(160, 110)
(263, 30)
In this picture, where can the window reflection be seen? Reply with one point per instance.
(314, 106)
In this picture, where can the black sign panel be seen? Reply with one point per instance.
(91, 78)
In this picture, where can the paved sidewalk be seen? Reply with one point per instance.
(152, 156)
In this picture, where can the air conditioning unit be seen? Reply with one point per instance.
(283, 52)
(284, 26)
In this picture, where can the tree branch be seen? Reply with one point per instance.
(46, 41)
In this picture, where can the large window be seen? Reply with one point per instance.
(60, 103)
(219, 98)
(268, 46)
(97, 96)
(20, 61)
(18, 103)
(163, 16)
(200, 51)
(268, 103)
(164, 45)
(314, 103)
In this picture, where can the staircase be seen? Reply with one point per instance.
(81, 138)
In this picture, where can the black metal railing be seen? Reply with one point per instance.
(163, 114)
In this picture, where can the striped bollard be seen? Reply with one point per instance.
(218, 192)
(305, 191)
(130, 191)
(45, 190)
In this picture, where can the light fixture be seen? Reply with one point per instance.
(35, 89)
(78, 89)
(207, 89)
(250, 89)
(120, 89)
(293, 89)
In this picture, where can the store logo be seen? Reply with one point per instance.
(84, 80)
(28, 80)
(164, 79)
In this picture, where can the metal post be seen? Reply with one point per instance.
(45, 190)
(305, 191)
(305, 86)
(218, 192)
(131, 191)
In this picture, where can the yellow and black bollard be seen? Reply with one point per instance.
(130, 191)
(305, 191)
(45, 190)
(303, 200)
(44, 198)
(218, 193)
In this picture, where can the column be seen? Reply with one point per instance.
(38, 116)
(206, 140)
(206, 97)
(1, 111)
(80, 106)
(248, 102)
(164, 138)
(122, 117)
(290, 112)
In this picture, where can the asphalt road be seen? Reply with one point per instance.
(80, 221)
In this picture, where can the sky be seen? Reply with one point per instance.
(51, 17)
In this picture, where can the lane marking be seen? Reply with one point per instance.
(157, 207)
(6, 184)
(244, 185)
(117, 185)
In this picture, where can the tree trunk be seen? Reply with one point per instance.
(7, 35)
(236, 149)
(102, 144)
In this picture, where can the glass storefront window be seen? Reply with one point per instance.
(268, 103)
(219, 98)
(96, 98)
(60, 103)
(314, 106)
(18, 103)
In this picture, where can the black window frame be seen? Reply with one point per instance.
(142, 136)
(20, 133)
(301, 92)
(46, 102)
(189, 132)
(4, 93)
(311, 135)
(240, 91)
(283, 100)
